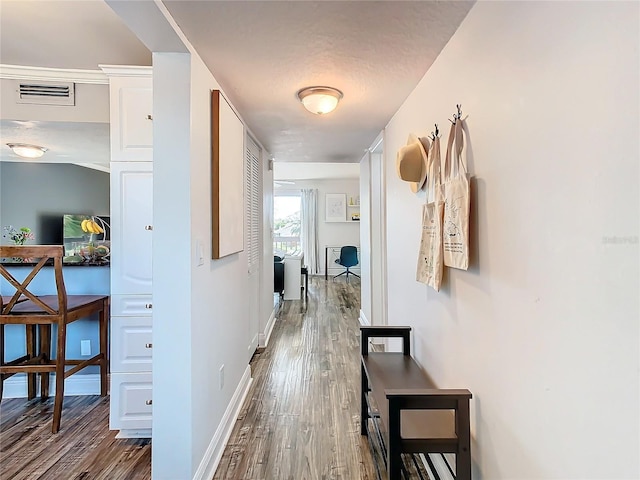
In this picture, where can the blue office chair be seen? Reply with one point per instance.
(348, 258)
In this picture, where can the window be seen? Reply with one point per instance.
(286, 223)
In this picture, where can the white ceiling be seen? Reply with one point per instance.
(56, 34)
(315, 171)
(262, 52)
(66, 34)
(68, 142)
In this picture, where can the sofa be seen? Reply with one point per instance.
(278, 275)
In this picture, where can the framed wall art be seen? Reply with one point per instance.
(336, 207)
(227, 178)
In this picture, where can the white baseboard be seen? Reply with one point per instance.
(79, 384)
(213, 455)
(363, 319)
(263, 339)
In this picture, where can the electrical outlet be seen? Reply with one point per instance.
(85, 347)
(221, 377)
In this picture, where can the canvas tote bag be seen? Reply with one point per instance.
(429, 269)
(455, 182)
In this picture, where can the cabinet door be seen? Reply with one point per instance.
(131, 106)
(131, 401)
(131, 227)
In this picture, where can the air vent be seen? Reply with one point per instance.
(51, 93)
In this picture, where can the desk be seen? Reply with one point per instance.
(331, 254)
(292, 276)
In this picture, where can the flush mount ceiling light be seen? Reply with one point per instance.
(27, 151)
(320, 100)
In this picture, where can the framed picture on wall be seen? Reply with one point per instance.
(227, 184)
(336, 207)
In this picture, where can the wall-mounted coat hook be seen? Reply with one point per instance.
(436, 134)
(457, 116)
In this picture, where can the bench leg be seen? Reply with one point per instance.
(463, 466)
(463, 456)
(364, 410)
(394, 458)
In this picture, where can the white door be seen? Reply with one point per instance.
(378, 237)
(253, 237)
(131, 227)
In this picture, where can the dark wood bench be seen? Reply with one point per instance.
(414, 415)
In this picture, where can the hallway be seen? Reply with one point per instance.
(300, 421)
(301, 418)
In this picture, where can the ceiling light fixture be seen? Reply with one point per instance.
(319, 100)
(27, 151)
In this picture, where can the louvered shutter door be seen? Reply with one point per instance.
(254, 191)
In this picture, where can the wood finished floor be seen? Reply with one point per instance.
(300, 420)
(84, 448)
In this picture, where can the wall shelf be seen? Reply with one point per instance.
(353, 209)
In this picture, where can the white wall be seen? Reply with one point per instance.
(332, 233)
(543, 328)
(174, 359)
(365, 239)
(91, 105)
(378, 238)
(266, 265)
(219, 292)
(201, 312)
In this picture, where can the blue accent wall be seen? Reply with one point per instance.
(37, 195)
(78, 280)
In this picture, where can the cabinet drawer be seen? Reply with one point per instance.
(131, 395)
(131, 344)
(131, 305)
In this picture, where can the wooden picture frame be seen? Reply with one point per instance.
(335, 207)
(227, 178)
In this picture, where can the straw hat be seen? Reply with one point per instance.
(411, 162)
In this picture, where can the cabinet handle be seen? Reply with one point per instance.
(148, 306)
(148, 345)
(149, 117)
(149, 402)
(148, 227)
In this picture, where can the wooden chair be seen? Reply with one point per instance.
(38, 313)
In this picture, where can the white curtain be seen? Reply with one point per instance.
(309, 233)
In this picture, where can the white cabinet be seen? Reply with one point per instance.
(131, 113)
(131, 227)
(131, 356)
(131, 404)
(131, 304)
(292, 276)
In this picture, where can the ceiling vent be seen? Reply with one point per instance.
(51, 93)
